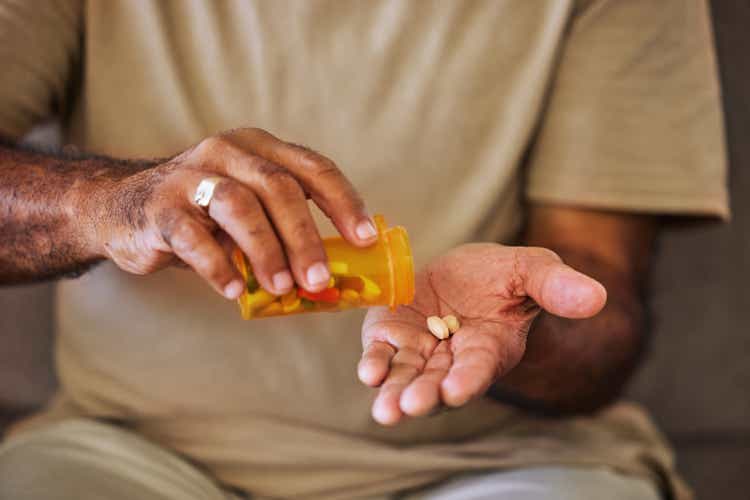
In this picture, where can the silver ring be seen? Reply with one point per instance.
(205, 191)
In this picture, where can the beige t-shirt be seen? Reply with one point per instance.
(431, 109)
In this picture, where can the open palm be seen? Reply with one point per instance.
(495, 291)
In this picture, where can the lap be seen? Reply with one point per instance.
(542, 483)
(84, 459)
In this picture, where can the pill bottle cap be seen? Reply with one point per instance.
(400, 262)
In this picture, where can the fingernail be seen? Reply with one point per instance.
(282, 281)
(366, 230)
(385, 415)
(317, 274)
(234, 289)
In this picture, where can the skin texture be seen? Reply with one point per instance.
(564, 363)
(62, 214)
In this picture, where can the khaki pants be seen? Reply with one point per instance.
(84, 459)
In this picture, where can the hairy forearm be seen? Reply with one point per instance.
(48, 207)
(580, 365)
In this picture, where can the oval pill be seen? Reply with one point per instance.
(452, 322)
(438, 327)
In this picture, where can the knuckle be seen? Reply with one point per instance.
(182, 247)
(235, 210)
(266, 247)
(254, 131)
(302, 241)
(168, 221)
(270, 261)
(214, 146)
(185, 237)
(328, 169)
(256, 135)
(303, 229)
(214, 270)
(259, 232)
(263, 236)
(224, 191)
(348, 200)
(314, 162)
(524, 259)
(266, 168)
(210, 145)
(278, 180)
(233, 200)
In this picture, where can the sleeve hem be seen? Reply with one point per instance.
(666, 203)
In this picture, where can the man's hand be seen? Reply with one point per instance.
(148, 220)
(495, 291)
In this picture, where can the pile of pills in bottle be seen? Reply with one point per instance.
(344, 291)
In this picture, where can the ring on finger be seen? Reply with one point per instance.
(205, 191)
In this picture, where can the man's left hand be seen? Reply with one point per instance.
(495, 291)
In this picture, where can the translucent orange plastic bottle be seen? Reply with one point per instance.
(382, 274)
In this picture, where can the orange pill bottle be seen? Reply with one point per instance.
(379, 275)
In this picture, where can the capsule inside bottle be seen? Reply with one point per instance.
(382, 274)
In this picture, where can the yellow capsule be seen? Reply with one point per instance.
(260, 299)
(370, 289)
(289, 298)
(331, 282)
(271, 309)
(239, 261)
(349, 295)
(452, 322)
(338, 267)
(291, 307)
(353, 282)
(245, 310)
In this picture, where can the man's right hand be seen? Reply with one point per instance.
(149, 220)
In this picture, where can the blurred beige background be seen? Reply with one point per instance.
(696, 379)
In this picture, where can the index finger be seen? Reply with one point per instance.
(323, 181)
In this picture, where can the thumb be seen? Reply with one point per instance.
(557, 288)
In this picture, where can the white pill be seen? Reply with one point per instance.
(452, 322)
(438, 327)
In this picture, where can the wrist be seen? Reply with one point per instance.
(85, 205)
(95, 205)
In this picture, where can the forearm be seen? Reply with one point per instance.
(580, 365)
(48, 209)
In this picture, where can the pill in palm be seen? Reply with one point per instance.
(438, 327)
(452, 323)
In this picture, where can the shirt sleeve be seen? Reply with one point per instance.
(40, 44)
(634, 119)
